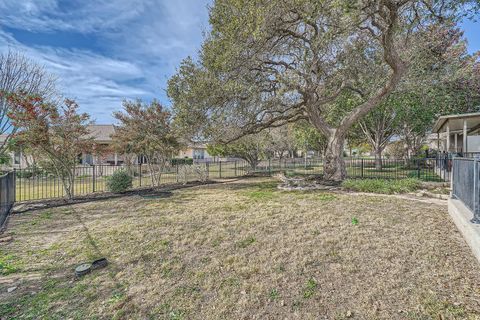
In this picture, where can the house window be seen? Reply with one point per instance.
(16, 157)
(88, 159)
(198, 154)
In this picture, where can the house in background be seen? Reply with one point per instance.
(197, 151)
(102, 134)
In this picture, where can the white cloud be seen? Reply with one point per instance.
(94, 80)
(142, 42)
(80, 16)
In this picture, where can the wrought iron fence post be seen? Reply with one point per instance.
(235, 168)
(418, 168)
(207, 167)
(140, 173)
(14, 184)
(176, 171)
(361, 168)
(94, 177)
(220, 170)
(73, 183)
(269, 166)
(476, 195)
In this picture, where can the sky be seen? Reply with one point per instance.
(104, 51)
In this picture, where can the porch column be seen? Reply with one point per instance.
(116, 158)
(465, 136)
(456, 142)
(448, 137)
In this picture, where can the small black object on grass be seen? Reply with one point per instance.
(99, 263)
(83, 269)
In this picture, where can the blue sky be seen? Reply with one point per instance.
(106, 50)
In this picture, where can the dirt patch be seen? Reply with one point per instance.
(242, 250)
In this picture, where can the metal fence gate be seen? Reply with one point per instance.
(466, 184)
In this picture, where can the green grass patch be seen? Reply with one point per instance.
(246, 242)
(383, 186)
(263, 191)
(274, 295)
(7, 264)
(326, 197)
(261, 195)
(354, 221)
(310, 288)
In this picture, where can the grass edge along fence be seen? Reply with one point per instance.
(466, 184)
(37, 184)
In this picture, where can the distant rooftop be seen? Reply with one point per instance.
(101, 132)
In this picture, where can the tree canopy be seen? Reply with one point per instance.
(268, 63)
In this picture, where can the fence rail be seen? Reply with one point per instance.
(466, 184)
(38, 184)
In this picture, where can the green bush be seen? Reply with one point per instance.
(29, 172)
(181, 161)
(119, 181)
(384, 186)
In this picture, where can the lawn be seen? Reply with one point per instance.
(240, 250)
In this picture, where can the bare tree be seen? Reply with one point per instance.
(20, 74)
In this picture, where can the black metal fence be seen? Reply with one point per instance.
(38, 184)
(7, 195)
(466, 184)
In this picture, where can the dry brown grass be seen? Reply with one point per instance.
(242, 250)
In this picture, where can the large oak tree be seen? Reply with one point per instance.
(268, 63)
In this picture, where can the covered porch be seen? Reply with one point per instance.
(458, 133)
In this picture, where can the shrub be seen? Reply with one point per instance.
(382, 185)
(181, 161)
(119, 181)
(29, 172)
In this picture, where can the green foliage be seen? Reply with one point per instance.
(354, 221)
(5, 159)
(7, 265)
(29, 172)
(180, 161)
(120, 181)
(266, 64)
(53, 132)
(250, 148)
(146, 129)
(310, 288)
(308, 138)
(383, 186)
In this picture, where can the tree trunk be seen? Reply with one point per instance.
(334, 165)
(378, 158)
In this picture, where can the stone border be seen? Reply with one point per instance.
(461, 216)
